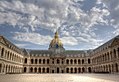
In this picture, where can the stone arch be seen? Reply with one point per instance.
(48, 61)
(83, 70)
(43, 61)
(71, 61)
(35, 70)
(75, 70)
(25, 61)
(114, 51)
(88, 61)
(89, 69)
(25, 69)
(116, 67)
(48, 70)
(79, 62)
(82, 61)
(58, 61)
(2, 52)
(43, 70)
(32, 61)
(71, 70)
(39, 70)
(36, 61)
(31, 70)
(67, 70)
(39, 61)
(67, 61)
(75, 61)
(79, 70)
(58, 70)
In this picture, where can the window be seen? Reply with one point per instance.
(31, 61)
(25, 61)
(88, 61)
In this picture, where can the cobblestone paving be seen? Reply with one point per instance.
(59, 78)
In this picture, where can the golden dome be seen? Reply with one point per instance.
(56, 41)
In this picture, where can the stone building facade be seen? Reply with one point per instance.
(104, 59)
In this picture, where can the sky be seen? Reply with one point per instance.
(82, 24)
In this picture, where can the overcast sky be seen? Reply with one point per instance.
(82, 24)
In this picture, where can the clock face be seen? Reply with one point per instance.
(57, 45)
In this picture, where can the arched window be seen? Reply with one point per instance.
(35, 69)
(88, 61)
(58, 61)
(67, 70)
(2, 53)
(71, 61)
(67, 61)
(82, 61)
(114, 53)
(25, 69)
(75, 61)
(79, 61)
(39, 61)
(32, 61)
(48, 61)
(43, 61)
(35, 61)
(31, 69)
(25, 61)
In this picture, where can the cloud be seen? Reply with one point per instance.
(113, 7)
(75, 24)
(34, 38)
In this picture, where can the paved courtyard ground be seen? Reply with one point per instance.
(59, 78)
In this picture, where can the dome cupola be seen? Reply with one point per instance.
(56, 44)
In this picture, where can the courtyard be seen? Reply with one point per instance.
(59, 78)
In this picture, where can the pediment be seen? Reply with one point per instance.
(115, 42)
(2, 40)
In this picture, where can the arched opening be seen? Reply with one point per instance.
(75, 70)
(58, 61)
(79, 61)
(53, 71)
(71, 61)
(82, 61)
(67, 61)
(71, 70)
(43, 61)
(58, 70)
(79, 70)
(35, 61)
(114, 53)
(25, 61)
(31, 61)
(39, 61)
(2, 52)
(67, 70)
(31, 70)
(75, 61)
(39, 70)
(48, 61)
(109, 69)
(88, 61)
(112, 68)
(83, 70)
(43, 70)
(89, 69)
(25, 69)
(48, 70)
(35, 70)
(116, 65)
